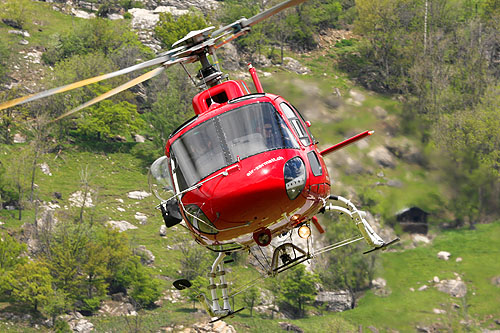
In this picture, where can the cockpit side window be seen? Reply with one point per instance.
(299, 129)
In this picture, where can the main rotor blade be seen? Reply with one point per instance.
(115, 91)
(71, 86)
(270, 12)
(243, 23)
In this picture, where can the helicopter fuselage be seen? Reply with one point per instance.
(245, 164)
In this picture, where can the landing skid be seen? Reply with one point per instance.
(395, 240)
(230, 314)
(370, 236)
(284, 257)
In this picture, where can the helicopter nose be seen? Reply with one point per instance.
(258, 194)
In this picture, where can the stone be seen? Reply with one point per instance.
(117, 308)
(357, 96)
(395, 183)
(19, 32)
(290, 327)
(454, 288)
(114, 17)
(76, 199)
(422, 288)
(443, 255)
(373, 329)
(335, 301)
(138, 195)
(163, 230)
(496, 281)
(418, 238)
(379, 112)
(379, 283)
(121, 226)
(459, 259)
(141, 217)
(295, 66)
(139, 138)
(262, 61)
(435, 279)
(12, 23)
(19, 138)
(438, 311)
(81, 326)
(45, 169)
(382, 157)
(82, 14)
(119, 138)
(147, 257)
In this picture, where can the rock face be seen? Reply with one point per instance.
(335, 301)
(455, 288)
(117, 308)
(78, 323)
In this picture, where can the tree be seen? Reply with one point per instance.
(345, 267)
(250, 296)
(144, 289)
(108, 119)
(30, 283)
(297, 288)
(15, 12)
(198, 284)
(172, 106)
(10, 253)
(170, 29)
(93, 36)
(470, 140)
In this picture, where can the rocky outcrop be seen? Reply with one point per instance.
(78, 323)
(455, 288)
(79, 199)
(335, 301)
(295, 66)
(205, 6)
(117, 308)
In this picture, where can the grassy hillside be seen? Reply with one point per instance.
(112, 171)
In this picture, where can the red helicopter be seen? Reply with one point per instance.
(244, 170)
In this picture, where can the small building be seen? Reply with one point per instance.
(413, 220)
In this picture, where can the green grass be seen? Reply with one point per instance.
(404, 309)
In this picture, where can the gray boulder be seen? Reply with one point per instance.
(335, 301)
(147, 257)
(382, 157)
(455, 288)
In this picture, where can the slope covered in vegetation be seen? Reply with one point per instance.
(433, 107)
